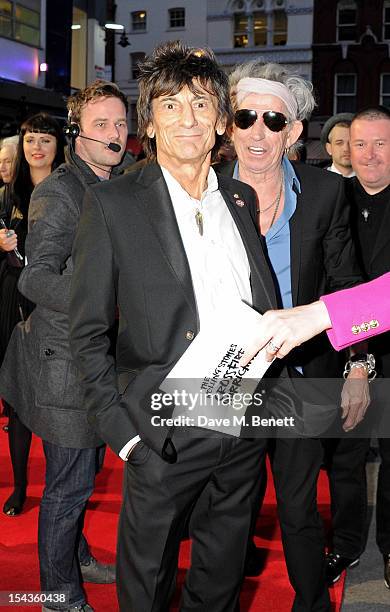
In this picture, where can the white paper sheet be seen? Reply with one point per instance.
(208, 387)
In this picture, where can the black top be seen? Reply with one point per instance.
(368, 214)
(371, 227)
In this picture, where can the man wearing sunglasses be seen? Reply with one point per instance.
(303, 220)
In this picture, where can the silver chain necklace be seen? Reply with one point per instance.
(276, 202)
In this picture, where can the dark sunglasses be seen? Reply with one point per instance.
(274, 121)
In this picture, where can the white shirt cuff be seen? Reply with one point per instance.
(125, 452)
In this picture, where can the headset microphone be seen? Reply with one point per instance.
(73, 131)
(113, 146)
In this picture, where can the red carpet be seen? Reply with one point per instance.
(270, 592)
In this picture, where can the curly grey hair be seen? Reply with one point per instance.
(300, 88)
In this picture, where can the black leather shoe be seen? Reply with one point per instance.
(335, 565)
(99, 573)
(386, 561)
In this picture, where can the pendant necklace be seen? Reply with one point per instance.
(199, 221)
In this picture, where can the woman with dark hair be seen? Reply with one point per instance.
(40, 150)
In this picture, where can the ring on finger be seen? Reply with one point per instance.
(273, 348)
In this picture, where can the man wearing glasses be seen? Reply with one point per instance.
(303, 220)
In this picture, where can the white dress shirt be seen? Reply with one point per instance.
(217, 259)
(333, 168)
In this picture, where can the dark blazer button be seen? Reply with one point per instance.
(190, 334)
(48, 352)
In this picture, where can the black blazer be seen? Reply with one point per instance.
(128, 252)
(322, 256)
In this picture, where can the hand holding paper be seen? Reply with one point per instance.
(279, 331)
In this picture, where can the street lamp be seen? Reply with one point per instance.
(117, 28)
(124, 41)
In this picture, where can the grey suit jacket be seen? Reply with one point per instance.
(134, 258)
(38, 377)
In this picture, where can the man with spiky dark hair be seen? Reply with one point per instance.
(171, 244)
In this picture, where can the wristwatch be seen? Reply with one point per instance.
(361, 360)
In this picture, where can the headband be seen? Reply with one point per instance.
(250, 85)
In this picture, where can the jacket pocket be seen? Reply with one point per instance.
(58, 384)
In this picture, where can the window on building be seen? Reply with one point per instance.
(138, 21)
(19, 22)
(135, 59)
(27, 23)
(345, 93)
(265, 24)
(385, 90)
(240, 30)
(346, 20)
(177, 17)
(386, 20)
(280, 28)
(5, 18)
(260, 28)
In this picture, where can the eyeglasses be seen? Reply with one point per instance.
(274, 121)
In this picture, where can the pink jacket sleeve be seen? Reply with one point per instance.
(359, 313)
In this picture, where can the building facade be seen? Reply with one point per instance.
(351, 56)
(236, 30)
(22, 60)
(47, 49)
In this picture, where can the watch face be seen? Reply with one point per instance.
(359, 357)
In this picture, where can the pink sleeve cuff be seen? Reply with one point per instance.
(359, 313)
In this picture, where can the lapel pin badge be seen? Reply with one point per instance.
(239, 202)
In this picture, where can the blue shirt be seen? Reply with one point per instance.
(278, 236)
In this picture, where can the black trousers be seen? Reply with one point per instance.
(296, 464)
(216, 479)
(345, 462)
(383, 498)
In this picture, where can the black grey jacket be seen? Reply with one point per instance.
(129, 253)
(38, 377)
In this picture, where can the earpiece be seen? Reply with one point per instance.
(72, 130)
